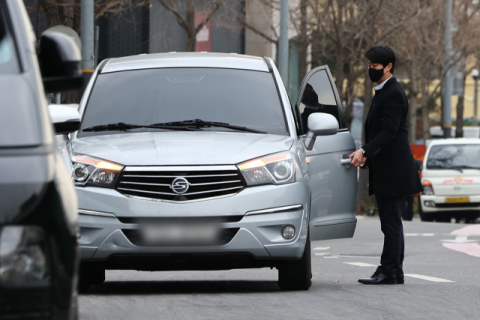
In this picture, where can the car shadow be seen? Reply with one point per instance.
(182, 287)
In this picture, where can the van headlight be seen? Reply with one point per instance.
(23, 260)
(274, 169)
(427, 188)
(95, 172)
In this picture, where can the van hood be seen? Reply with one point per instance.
(453, 182)
(180, 147)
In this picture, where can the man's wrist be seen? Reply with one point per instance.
(363, 151)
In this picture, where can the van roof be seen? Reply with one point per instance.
(454, 141)
(185, 60)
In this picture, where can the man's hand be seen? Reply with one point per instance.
(357, 158)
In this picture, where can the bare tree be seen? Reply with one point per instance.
(352, 27)
(54, 11)
(271, 34)
(300, 25)
(184, 12)
(67, 12)
(424, 50)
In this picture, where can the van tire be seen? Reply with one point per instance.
(83, 285)
(297, 275)
(90, 274)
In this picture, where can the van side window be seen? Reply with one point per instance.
(318, 96)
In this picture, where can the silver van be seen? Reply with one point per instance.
(198, 161)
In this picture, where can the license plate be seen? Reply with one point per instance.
(457, 200)
(180, 234)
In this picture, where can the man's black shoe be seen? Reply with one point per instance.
(379, 278)
(400, 280)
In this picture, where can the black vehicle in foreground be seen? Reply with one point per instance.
(38, 205)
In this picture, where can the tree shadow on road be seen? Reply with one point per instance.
(182, 287)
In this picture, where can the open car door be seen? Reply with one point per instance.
(333, 185)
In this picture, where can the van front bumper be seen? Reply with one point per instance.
(259, 215)
(434, 203)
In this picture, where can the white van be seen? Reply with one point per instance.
(451, 180)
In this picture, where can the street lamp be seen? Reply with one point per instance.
(475, 75)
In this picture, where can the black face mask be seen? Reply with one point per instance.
(375, 75)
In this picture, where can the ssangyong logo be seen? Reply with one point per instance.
(180, 185)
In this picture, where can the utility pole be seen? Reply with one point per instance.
(87, 36)
(97, 39)
(283, 42)
(475, 75)
(447, 88)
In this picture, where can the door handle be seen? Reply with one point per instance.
(345, 161)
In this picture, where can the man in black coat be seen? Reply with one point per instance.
(393, 173)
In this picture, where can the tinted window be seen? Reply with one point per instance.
(8, 55)
(457, 156)
(239, 97)
(318, 96)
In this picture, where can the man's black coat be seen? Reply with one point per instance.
(393, 171)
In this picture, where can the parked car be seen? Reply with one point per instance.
(451, 180)
(38, 205)
(197, 161)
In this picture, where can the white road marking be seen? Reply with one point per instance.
(428, 234)
(331, 257)
(357, 257)
(433, 279)
(411, 234)
(360, 264)
(460, 239)
(419, 234)
(321, 253)
(321, 248)
(412, 275)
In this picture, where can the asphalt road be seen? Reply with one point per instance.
(442, 281)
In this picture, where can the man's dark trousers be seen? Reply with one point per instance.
(390, 211)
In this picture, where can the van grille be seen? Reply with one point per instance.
(203, 182)
(458, 205)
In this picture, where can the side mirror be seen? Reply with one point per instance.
(65, 117)
(320, 124)
(60, 59)
(419, 164)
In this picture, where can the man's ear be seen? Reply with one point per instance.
(389, 66)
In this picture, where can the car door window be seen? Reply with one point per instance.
(318, 96)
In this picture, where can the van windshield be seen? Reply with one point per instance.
(241, 98)
(454, 156)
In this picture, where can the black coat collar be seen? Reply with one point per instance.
(387, 84)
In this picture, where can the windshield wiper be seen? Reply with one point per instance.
(469, 167)
(120, 126)
(459, 168)
(198, 123)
